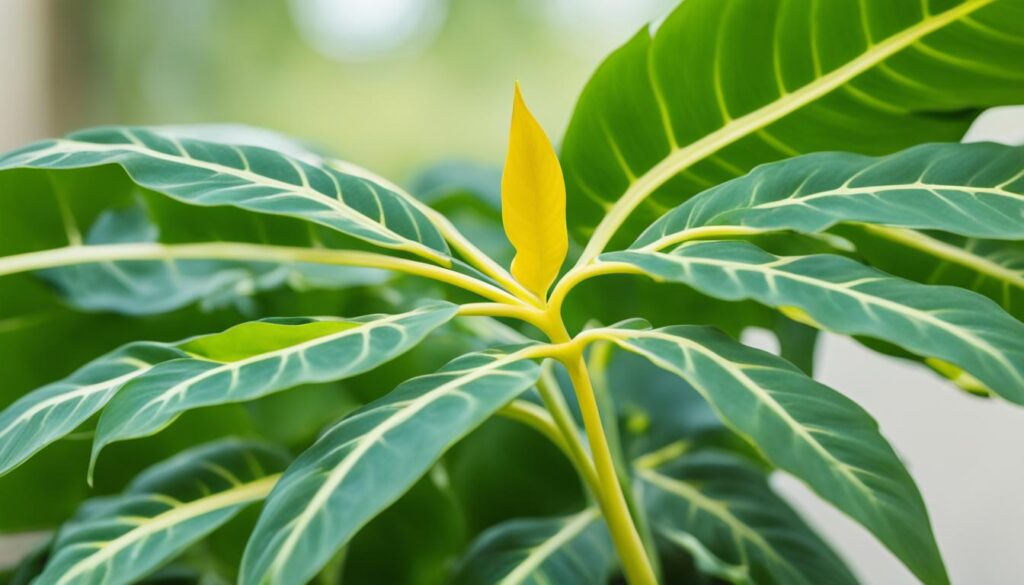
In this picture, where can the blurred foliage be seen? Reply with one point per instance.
(189, 61)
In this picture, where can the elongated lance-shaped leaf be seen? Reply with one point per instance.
(51, 412)
(972, 190)
(842, 295)
(248, 177)
(802, 427)
(575, 550)
(533, 202)
(994, 268)
(168, 507)
(719, 88)
(726, 506)
(257, 358)
(367, 461)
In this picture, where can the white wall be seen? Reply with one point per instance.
(24, 73)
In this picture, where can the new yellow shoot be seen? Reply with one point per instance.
(533, 202)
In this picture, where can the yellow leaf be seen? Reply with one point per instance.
(533, 202)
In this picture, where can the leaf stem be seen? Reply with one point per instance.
(630, 547)
(707, 231)
(554, 401)
(600, 356)
(480, 260)
(542, 421)
(475, 256)
(251, 253)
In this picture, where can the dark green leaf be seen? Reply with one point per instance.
(719, 88)
(726, 506)
(120, 539)
(575, 550)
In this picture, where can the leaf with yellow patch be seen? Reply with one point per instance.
(533, 202)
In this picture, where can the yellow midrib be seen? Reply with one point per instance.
(539, 554)
(237, 495)
(714, 507)
(743, 126)
(762, 395)
(304, 191)
(372, 437)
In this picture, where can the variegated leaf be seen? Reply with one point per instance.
(257, 358)
(802, 427)
(974, 190)
(257, 179)
(574, 550)
(838, 294)
(119, 539)
(367, 461)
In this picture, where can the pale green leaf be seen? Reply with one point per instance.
(994, 268)
(574, 550)
(842, 295)
(367, 461)
(802, 427)
(119, 539)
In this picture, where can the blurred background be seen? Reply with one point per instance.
(395, 85)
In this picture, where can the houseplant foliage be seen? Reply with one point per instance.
(790, 165)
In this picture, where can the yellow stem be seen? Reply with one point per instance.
(480, 260)
(635, 564)
(708, 231)
(247, 252)
(578, 274)
(554, 401)
(541, 420)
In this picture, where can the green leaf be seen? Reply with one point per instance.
(719, 88)
(532, 477)
(162, 380)
(109, 245)
(575, 550)
(726, 505)
(842, 295)
(257, 358)
(972, 190)
(247, 177)
(168, 507)
(51, 412)
(367, 461)
(994, 268)
(804, 428)
(143, 287)
(413, 542)
(657, 412)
